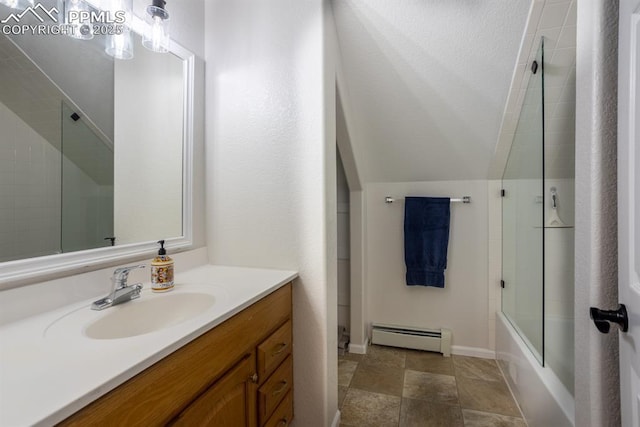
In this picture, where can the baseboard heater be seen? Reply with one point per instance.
(438, 340)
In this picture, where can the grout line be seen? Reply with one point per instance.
(457, 390)
(404, 377)
(455, 375)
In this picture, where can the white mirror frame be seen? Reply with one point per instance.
(14, 273)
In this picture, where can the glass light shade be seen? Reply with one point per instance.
(18, 4)
(120, 46)
(78, 15)
(156, 34)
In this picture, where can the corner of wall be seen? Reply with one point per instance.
(597, 398)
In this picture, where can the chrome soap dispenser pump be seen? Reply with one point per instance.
(162, 271)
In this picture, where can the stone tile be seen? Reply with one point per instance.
(346, 369)
(486, 396)
(379, 379)
(476, 368)
(427, 361)
(385, 356)
(483, 419)
(367, 409)
(418, 413)
(433, 388)
(342, 393)
(351, 356)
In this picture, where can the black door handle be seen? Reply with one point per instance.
(603, 318)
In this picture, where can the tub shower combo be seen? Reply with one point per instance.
(535, 329)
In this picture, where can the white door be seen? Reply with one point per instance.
(629, 206)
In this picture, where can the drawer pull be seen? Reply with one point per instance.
(279, 348)
(282, 388)
(283, 422)
(254, 378)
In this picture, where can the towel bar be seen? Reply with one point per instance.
(464, 199)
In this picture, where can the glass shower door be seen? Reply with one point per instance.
(87, 185)
(523, 220)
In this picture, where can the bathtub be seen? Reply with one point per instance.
(544, 400)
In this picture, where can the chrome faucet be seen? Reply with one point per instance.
(121, 291)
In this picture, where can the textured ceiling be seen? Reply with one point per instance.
(427, 83)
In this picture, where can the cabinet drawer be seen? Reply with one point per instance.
(283, 414)
(274, 350)
(274, 390)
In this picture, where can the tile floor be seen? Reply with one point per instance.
(406, 388)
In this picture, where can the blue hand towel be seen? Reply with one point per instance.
(426, 239)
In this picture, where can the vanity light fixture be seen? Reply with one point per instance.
(156, 33)
(18, 4)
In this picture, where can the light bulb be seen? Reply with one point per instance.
(156, 35)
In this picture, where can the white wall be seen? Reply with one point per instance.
(463, 304)
(148, 153)
(30, 169)
(271, 189)
(426, 71)
(597, 375)
(188, 29)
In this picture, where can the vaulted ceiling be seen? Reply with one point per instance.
(426, 83)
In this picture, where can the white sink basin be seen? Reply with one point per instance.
(147, 314)
(142, 316)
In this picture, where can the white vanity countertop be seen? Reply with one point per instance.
(48, 373)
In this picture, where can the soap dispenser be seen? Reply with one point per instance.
(161, 271)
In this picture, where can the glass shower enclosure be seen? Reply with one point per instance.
(87, 185)
(523, 219)
(537, 213)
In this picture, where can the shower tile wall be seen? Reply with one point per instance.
(29, 190)
(556, 21)
(29, 162)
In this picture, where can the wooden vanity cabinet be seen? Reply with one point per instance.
(238, 374)
(227, 403)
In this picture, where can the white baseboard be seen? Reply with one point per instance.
(483, 353)
(358, 348)
(336, 419)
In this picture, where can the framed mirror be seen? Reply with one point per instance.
(95, 153)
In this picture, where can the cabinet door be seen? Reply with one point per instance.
(229, 402)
